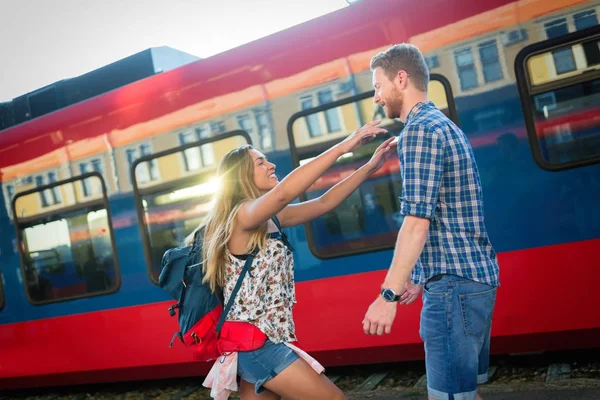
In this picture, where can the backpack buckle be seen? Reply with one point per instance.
(197, 339)
(172, 309)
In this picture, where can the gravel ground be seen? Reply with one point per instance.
(512, 374)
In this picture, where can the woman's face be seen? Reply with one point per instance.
(264, 172)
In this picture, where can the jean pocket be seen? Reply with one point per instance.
(477, 309)
(436, 288)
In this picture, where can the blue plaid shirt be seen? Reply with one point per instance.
(440, 181)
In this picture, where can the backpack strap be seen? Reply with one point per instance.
(277, 223)
(235, 290)
(190, 257)
(246, 269)
(179, 304)
(281, 235)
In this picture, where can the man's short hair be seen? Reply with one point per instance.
(405, 57)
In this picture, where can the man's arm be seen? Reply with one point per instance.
(421, 154)
(409, 245)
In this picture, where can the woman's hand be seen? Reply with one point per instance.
(361, 136)
(382, 154)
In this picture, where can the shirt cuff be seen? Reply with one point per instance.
(421, 210)
(416, 277)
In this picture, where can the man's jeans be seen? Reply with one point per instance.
(455, 325)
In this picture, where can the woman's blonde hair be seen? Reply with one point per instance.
(236, 174)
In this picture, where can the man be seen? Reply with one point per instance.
(443, 235)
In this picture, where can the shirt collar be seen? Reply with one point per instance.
(415, 110)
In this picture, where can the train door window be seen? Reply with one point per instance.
(369, 218)
(171, 209)
(561, 107)
(68, 252)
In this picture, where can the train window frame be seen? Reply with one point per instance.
(102, 200)
(2, 297)
(9, 195)
(527, 90)
(349, 100)
(138, 191)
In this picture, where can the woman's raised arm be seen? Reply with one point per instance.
(295, 214)
(255, 212)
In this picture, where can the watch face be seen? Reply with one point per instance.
(388, 294)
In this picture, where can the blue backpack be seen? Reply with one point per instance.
(201, 315)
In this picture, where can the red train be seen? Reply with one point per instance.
(94, 193)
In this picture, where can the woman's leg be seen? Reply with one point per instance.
(247, 392)
(299, 382)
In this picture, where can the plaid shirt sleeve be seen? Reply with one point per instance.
(416, 277)
(421, 153)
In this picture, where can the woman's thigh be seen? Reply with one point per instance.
(247, 392)
(261, 365)
(300, 381)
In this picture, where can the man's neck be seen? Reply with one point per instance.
(409, 102)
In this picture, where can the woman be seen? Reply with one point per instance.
(249, 197)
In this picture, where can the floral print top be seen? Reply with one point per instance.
(267, 294)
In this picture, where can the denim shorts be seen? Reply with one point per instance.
(456, 321)
(259, 366)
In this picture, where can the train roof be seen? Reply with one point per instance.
(341, 42)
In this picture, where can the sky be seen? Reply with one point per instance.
(44, 41)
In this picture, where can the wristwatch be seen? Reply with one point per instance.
(389, 295)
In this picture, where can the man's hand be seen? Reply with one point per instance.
(379, 317)
(411, 293)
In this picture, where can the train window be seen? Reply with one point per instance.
(69, 252)
(368, 219)
(561, 106)
(171, 209)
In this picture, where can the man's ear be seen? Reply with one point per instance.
(401, 79)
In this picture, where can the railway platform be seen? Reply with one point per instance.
(571, 394)
(527, 392)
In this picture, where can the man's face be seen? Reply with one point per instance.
(387, 93)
